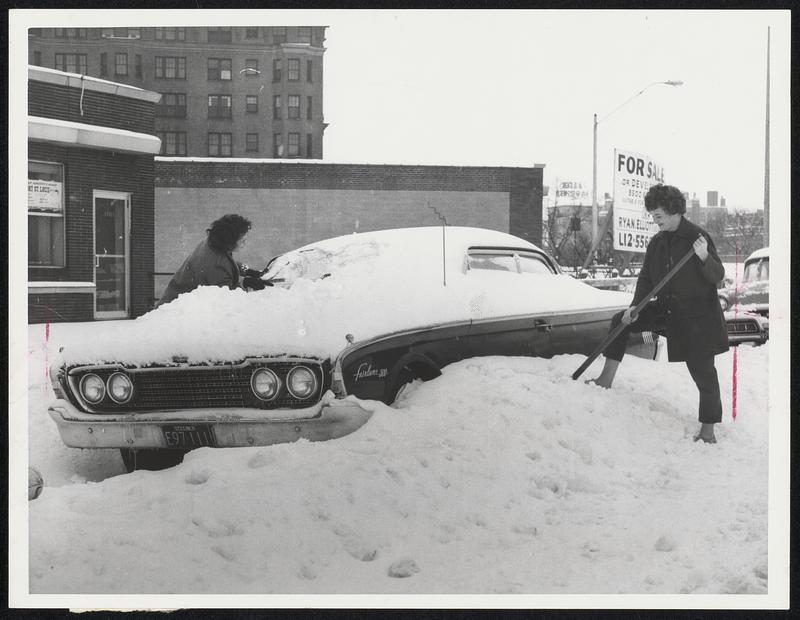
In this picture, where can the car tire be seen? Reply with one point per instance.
(152, 460)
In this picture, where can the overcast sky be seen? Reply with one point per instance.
(514, 88)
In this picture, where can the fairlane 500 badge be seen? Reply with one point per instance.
(366, 371)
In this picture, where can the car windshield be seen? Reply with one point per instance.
(756, 270)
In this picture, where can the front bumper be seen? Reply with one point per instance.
(231, 427)
(754, 337)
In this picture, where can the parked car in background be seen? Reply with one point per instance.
(345, 321)
(751, 292)
(745, 300)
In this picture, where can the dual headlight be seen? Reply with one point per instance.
(301, 382)
(118, 387)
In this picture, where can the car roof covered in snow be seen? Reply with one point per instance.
(762, 253)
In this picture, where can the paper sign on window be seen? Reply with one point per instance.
(44, 196)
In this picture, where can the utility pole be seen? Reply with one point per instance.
(766, 159)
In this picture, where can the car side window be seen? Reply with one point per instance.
(515, 261)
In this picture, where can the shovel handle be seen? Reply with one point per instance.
(636, 309)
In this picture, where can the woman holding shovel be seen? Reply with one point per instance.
(686, 307)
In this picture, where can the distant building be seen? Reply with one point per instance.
(226, 91)
(712, 199)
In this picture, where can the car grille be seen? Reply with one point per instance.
(198, 387)
(742, 327)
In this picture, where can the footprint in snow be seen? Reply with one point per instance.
(197, 477)
(403, 568)
(666, 543)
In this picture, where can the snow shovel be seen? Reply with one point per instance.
(636, 309)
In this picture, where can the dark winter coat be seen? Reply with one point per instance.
(695, 324)
(205, 266)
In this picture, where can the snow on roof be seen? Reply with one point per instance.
(78, 80)
(762, 253)
(96, 136)
(366, 284)
(294, 160)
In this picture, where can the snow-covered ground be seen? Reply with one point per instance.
(503, 476)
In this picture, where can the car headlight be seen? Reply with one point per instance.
(265, 384)
(92, 388)
(120, 388)
(301, 382)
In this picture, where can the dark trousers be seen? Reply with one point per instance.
(702, 370)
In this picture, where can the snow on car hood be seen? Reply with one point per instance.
(378, 283)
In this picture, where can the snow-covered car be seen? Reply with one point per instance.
(751, 294)
(346, 322)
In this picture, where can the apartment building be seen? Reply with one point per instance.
(226, 91)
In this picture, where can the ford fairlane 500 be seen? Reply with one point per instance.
(346, 322)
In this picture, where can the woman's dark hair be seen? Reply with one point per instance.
(226, 232)
(668, 197)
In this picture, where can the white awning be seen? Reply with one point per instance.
(91, 136)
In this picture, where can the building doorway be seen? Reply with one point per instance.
(111, 254)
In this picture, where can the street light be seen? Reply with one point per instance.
(595, 240)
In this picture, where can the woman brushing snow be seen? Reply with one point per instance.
(687, 307)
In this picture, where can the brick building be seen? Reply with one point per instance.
(226, 91)
(293, 203)
(90, 197)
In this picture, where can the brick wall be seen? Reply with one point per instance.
(60, 307)
(86, 170)
(294, 204)
(64, 103)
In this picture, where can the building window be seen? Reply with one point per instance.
(34, 32)
(309, 71)
(219, 35)
(276, 107)
(309, 146)
(309, 107)
(251, 143)
(293, 70)
(251, 67)
(294, 145)
(277, 145)
(219, 145)
(251, 103)
(219, 68)
(293, 104)
(219, 106)
(277, 72)
(70, 33)
(37, 58)
(173, 143)
(304, 35)
(279, 35)
(46, 214)
(137, 64)
(71, 63)
(172, 105)
(103, 64)
(170, 67)
(170, 34)
(251, 33)
(121, 64)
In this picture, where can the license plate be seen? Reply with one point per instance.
(188, 435)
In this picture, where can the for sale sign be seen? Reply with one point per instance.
(633, 176)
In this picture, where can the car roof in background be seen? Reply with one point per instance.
(762, 253)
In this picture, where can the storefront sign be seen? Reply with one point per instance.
(572, 193)
(44, 196)
(633, 176)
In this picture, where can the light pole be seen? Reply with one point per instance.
(595, 240)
